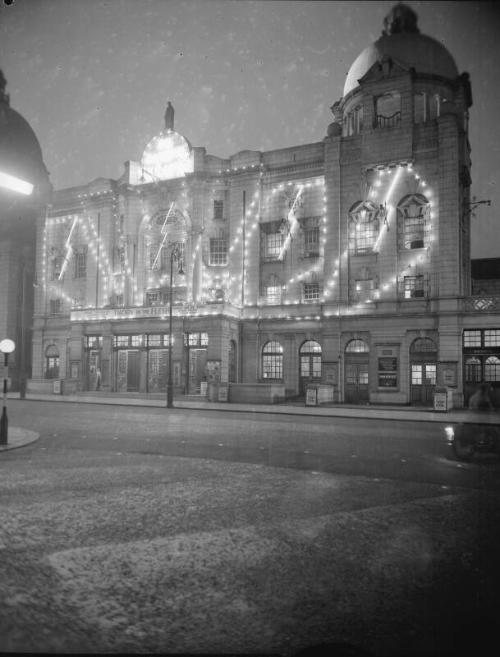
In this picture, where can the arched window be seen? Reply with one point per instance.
(272, 360)
(364, 224)
(388, 110)
(357, 347)
(413, 222)
(492, 369)
(52, 362)
(310, 360)
(423, 345)
(473, 370)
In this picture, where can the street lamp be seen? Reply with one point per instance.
(176, 255)
(6, 347)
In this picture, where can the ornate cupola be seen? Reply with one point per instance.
(169, 154)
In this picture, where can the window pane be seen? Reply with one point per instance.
(430, 375)
(492, 338)
(416, 374)
(492, 369)
(472, 338)
(273, 245)
(473, 370)
(218, 251)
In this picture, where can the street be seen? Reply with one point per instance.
(132, 529)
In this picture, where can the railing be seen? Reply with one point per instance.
(481, 304)
(388, 121)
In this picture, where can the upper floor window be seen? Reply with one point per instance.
(55, 306)
(80, 263)
(413, 222)
(273, 244)
(353, 121)
(56, 267)
(218, 209)
(311, 241)
(364, 227)
(426, 106)
(218, 251)
(414, 286)
(310, 292)
(388, 110)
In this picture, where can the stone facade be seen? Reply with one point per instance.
(344, 262)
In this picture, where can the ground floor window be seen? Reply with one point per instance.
(272, 360)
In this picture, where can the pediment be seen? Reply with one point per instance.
(383, 69)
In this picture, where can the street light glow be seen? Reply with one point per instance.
(15, 184)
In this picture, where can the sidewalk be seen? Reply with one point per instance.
(198, 402)
(19, 437)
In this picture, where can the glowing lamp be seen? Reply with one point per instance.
(15, 184)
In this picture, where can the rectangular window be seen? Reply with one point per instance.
(273, 294)
(414, 232)
(154, 340)
(274, 242)
(121, 340)
(311, 242)
(56, 267)
(136, 340)
(80, 264)
(492, 338)
(414, 287)
(218, 209)
(55, 306)
(272, 366)
(218, 251)
(196, 339)
(310, 292)
(472, 338)
(93, 341)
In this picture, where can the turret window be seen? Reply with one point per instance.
(364, 227)
(413, 222)
(388, 110)
(353, 121)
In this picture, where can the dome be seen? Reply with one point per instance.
(20, 152)
(168, 155)
(402, 42)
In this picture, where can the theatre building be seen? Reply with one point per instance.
(343, 263)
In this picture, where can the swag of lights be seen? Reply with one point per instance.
(382, 193)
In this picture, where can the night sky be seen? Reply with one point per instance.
(93, 77)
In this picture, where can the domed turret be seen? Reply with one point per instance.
(20, 152)
(402, 41)
(168, 155)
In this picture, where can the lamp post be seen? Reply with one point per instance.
(6, 347)
(175, 254)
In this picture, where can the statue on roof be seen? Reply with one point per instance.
(401, 18)
(169, 117)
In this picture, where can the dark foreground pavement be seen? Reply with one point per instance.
(104, 548)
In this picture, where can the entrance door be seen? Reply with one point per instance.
(310, 365)
(197, 369)
(356, 383)
(232, 362)
(133, 371)
(357, 358)
(423, 382)
(423, 367)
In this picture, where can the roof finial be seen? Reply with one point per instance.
(169, 117)
(401, 18)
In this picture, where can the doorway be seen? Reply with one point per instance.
(133, 371)
(423, 368)
(356, 377)
(310, 365)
